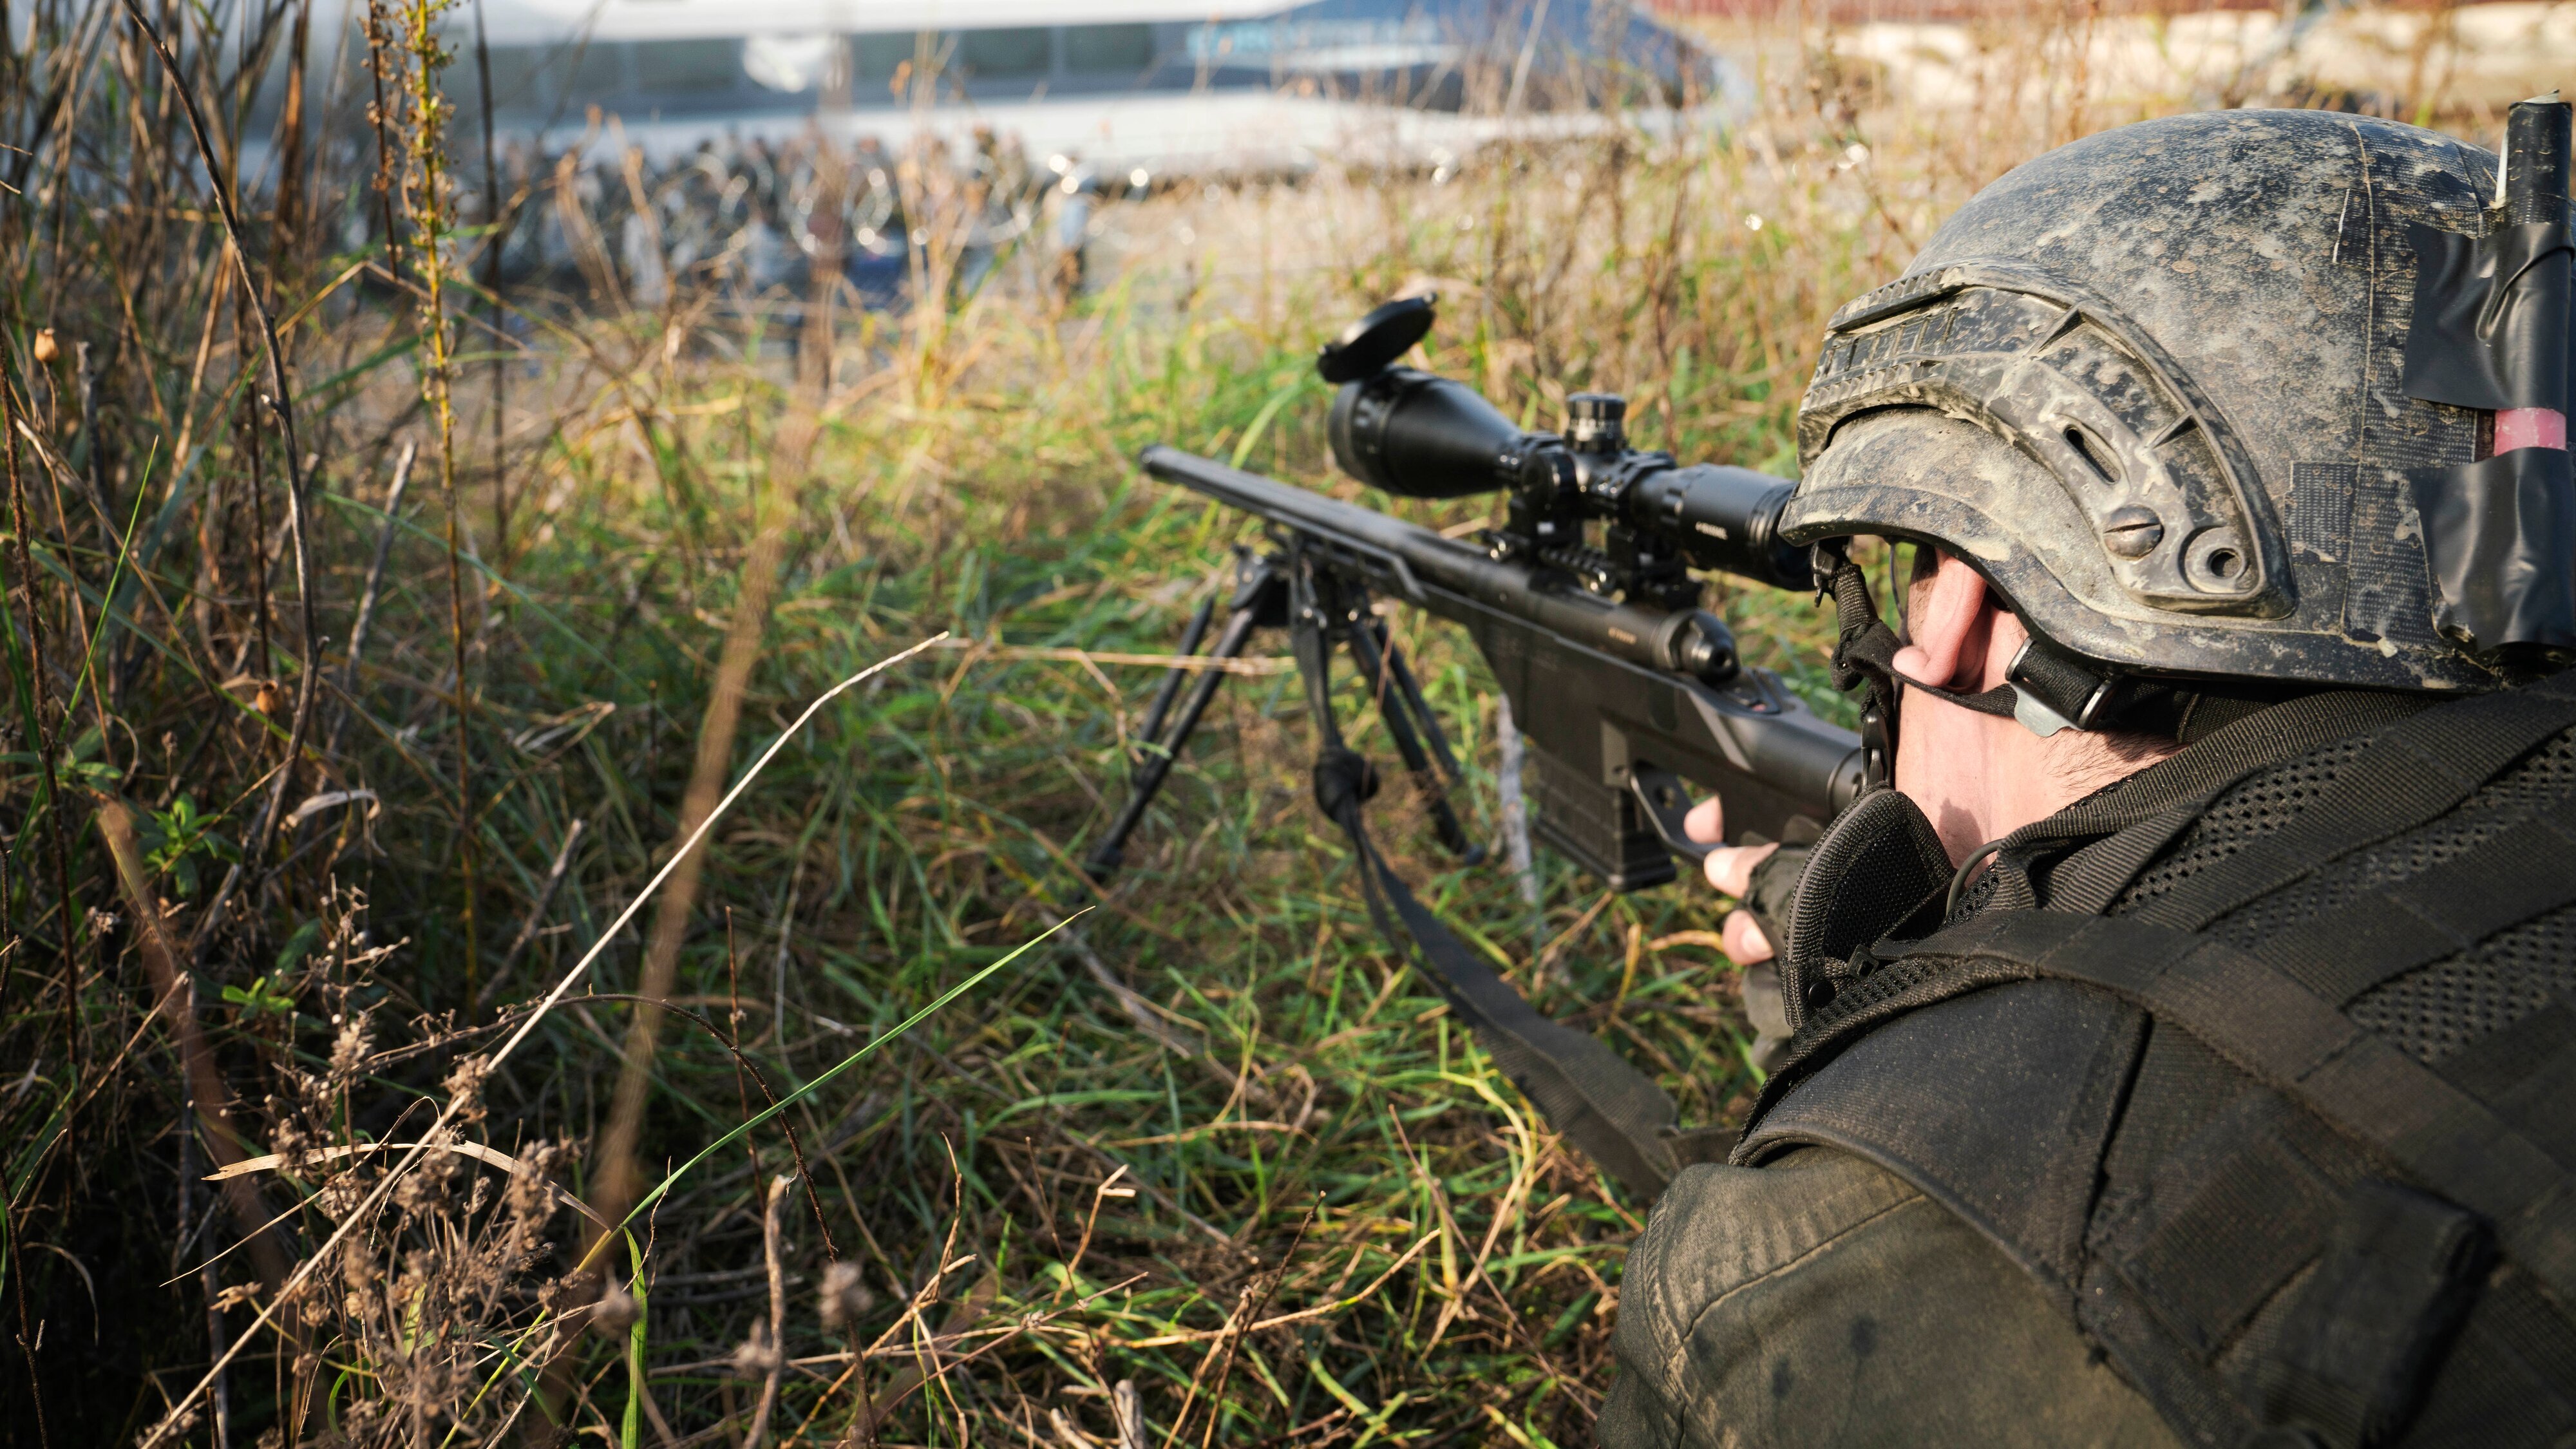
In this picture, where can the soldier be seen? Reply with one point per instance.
(2182, 1051)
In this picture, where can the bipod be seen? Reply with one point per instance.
(1614, 1114)
(1320, 609)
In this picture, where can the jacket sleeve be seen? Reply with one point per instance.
(1822, 1301)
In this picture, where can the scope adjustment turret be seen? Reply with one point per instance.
(1596, 422)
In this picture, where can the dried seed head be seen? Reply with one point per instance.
(465, 1087)
(342, 1194)
(615, 1312)
(845, 1297)
(47, 349)
(351, 1047)
(532, 1198)
(755, 1357)
(424, 1189)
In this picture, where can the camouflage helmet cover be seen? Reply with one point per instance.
(2149, 385)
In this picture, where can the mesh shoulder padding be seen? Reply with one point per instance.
(2254, 808)
(2434, 1010)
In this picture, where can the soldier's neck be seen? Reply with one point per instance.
(1979, 777)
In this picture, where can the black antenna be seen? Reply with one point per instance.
(2535, 160)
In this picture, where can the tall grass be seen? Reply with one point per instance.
(1207, 1166)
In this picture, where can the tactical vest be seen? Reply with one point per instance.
(2262, 1062)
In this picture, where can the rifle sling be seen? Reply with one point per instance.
(1609, 1110)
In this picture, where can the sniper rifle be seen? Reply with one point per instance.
(1584, 605)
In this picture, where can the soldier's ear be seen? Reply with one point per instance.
(1942, 614)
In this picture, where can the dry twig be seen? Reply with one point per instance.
(776, 1344)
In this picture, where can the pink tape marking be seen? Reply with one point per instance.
(2530, 428)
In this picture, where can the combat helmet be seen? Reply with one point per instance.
(2190, 394)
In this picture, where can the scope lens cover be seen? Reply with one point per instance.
(1369, 345)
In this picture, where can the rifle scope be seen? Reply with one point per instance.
(1425, 436)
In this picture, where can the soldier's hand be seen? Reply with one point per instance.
(1730, 869)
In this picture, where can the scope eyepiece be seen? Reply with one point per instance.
(1724, 518)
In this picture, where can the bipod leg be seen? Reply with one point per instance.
(1408, 721)
(1310, 639)
(1191, 637)
(1344, 779)
(1255, 602)
(1432, 734)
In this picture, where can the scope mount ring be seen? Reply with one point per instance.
(1373, 343)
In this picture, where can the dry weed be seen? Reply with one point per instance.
(328, 797)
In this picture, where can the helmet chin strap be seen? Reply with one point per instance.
(2046, 689)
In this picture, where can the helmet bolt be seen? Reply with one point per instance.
(2132, 531)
